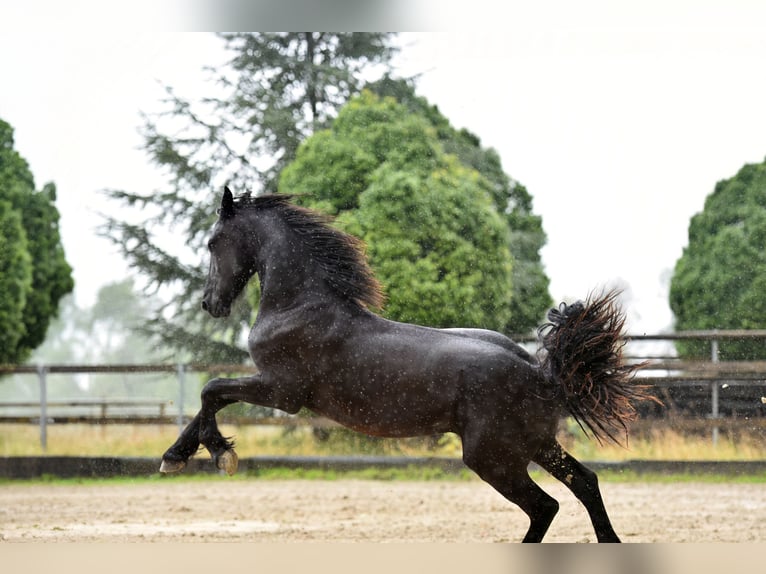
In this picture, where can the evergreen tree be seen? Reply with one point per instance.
(15, 282)
(720, 279)
(277, 89)
(50, 275)
(434, 236)
(531, 298)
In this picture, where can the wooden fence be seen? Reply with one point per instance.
(104, 410)
(703, 394)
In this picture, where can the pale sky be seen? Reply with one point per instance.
(619, 124)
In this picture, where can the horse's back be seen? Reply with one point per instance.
(495, 338)
(449, 355)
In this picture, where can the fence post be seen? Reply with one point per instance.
(181, 370)
(42, 372)
(714, 391)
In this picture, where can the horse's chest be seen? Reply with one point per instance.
(278, 346)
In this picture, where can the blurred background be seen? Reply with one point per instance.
(582, 149)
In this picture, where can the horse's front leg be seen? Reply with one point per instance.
(203, 429)
(185, 446)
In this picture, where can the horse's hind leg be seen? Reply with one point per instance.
(583, 483)
(507, 473)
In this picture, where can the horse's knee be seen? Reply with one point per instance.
(209, 389)
(211, 392)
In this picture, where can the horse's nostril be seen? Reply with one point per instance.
(204, 305)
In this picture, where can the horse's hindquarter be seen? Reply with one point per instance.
(395, 379)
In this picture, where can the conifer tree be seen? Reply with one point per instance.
(720, 279)
(34, 273)
(531, 297)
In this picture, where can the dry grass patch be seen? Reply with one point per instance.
(255, 440)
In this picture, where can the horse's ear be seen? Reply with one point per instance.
(227, 204)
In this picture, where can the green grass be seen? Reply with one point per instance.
(630, 476)
(410, 473)
(420, 474)
(413, 473)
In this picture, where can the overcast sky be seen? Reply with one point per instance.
(619, 124)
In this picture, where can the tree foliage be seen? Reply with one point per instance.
(15, 281)
(434, 236)
(531, 298)
(720, 280)
(358, 158)
(275, 91)
(34, 273)
(289, 85)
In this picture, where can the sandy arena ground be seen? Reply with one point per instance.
(367, 511)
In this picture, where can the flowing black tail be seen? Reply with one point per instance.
(583, 344)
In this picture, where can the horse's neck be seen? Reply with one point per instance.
(287, 276)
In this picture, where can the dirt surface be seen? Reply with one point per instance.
(369, 511)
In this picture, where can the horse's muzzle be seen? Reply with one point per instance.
(215, 310)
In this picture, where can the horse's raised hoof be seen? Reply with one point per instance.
(170, 466)
(228, 462)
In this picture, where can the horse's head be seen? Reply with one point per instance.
(231, 260)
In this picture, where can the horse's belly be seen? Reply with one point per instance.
(400, 412)
(391, 425)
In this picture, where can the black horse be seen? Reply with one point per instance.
(317, 345)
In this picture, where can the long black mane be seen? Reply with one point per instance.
(341, 257)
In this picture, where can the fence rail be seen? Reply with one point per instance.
(127, 368)
(45, 418)
(701, 381)
(99, 411)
